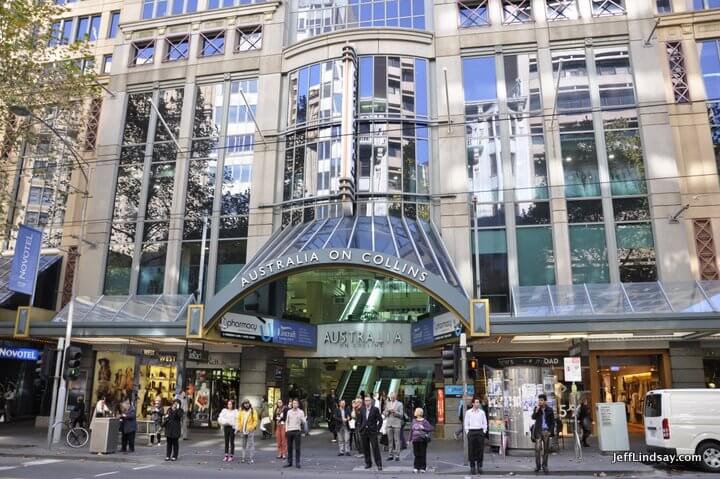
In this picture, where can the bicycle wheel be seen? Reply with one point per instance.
(77, 437)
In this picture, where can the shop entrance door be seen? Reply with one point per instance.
(627, 378)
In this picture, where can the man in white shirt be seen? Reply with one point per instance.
(475, 427)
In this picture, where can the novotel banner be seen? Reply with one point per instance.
(25, 262)
(20, 354)
(269, 330)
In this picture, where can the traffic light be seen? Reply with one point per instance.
(472, 367)
(449, 362)
(40, 368)
(73, 355)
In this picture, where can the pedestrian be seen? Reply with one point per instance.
(280, 438)
(542, 431)
(265, 421)
(331, 404)
(342, 428)
(584, 421)
(157, 415)
(420, 438)
(184, 405)
(10, 403)
(295, 423)
(353, 423)
(128, 426)
(475, 426)
(394, 417)
(227, 419)
(369, 424)
(247, 423)
(461, 417)
(173, 430)
(79, 415)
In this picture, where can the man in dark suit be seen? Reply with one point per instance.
(369, 424)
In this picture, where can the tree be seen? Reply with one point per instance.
(48, 80)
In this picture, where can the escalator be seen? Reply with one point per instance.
(382, 385)
(356, 304)
(352, 385)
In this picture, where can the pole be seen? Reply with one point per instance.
(201, 275)
(463, 372)
(61, 399)
(58, 366)
(476, 242)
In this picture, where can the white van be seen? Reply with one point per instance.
(684, 421)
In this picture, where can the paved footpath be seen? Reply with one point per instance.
(23, 449)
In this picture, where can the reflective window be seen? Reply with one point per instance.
(230, 3)
(601, 8)
(212, 43)
(106, 64)
(636, 252)
(517, 11)
(588, 254)
(705, 4)
(489, 253)
(248, 38)
(664, 6)
(473, 13)
(162, 8)
(536, 256)
(710, 64)
(177, 48)
(316, 17)
(562, 10)
(142, 53)
(87, 28)
(114, 24)
(231, 257)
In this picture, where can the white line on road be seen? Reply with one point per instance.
(7, 468)
(41, 462)
(139, 468)
(106, 473)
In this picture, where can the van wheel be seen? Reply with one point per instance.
(710, 454)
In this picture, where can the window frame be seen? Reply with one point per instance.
(243, 33)
(113, 28)
(140, 46)
(171, 45)
(206, 41)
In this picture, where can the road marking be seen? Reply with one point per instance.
(139, 468)
(41, 462)
(7, 468)
(106, 473)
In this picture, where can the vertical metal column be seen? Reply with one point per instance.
(347, 132)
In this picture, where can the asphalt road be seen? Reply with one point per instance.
(17, 468)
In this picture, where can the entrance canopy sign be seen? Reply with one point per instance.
(269, 330)
(20, 354)
(408, 249)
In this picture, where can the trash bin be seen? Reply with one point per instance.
(104, 437)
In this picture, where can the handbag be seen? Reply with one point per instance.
(383, 428)
(532, 433)
(384, 440)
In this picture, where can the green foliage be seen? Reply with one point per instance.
(49, 81)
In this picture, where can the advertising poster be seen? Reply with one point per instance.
(114, 378)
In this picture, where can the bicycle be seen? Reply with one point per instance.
(77, 436)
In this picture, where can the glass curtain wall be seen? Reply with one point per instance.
(223, 142)
(393, 153)
(599, 131)
(312, 149)
(710, 64)
(507, 169)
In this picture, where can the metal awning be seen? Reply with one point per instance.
(163, 308)
(690, 298)
(46, 261)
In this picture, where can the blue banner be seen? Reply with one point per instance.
(456, 390)
(294, 333)
(23, 273)
(422, 333)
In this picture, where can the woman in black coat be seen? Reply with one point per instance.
(173, 430)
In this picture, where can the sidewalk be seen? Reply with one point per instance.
(319, 453)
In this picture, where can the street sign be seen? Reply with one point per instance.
(573, 370)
